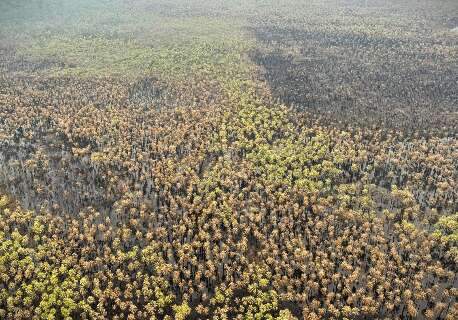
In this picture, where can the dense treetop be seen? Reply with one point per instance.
(228, 160)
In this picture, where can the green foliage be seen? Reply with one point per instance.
(258, 302)
(446, 231)
(103, 39)
(181, 311)
(55, 284)
(4, 201)
(447, 228)
(215, 58)
(92, 56)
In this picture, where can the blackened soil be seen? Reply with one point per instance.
(360, 79)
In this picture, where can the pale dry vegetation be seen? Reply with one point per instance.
(229, 160)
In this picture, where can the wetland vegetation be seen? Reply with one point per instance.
(231, 159)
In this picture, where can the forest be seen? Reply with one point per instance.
(228, 159)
